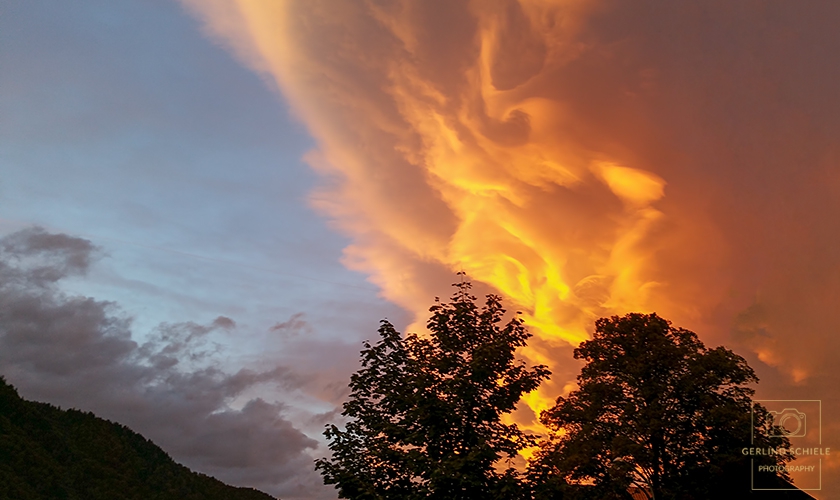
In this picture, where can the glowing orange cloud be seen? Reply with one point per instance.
(458, 163)
(564, 156)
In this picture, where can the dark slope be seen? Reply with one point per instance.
(49, 453)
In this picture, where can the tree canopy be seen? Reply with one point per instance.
(425, 412)
(657, 410)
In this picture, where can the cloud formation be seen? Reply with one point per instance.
(79, 352)
(585, 158)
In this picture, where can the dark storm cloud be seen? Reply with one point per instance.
(79, 352)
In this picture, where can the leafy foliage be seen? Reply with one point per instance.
(49, 453)
(654, 409)
(425, 413)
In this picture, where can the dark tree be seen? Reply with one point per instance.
(655, 409)
(425, 413)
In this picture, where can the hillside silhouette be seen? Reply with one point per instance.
(50, 453)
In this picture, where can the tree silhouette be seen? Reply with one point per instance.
(657, 410)
(47, 453)
(425, 413)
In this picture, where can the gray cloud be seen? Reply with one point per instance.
(295, 325)
(79, 352)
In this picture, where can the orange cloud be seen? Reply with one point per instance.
(583, 158)
(442, 151)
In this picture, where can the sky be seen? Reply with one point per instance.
(122, 125)
(208, 204)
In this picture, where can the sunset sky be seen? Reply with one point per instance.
(242, 189)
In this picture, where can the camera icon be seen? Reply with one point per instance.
(788, 423)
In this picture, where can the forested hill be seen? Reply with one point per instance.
(49, 453)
